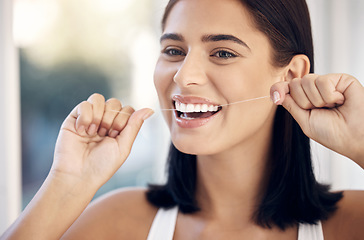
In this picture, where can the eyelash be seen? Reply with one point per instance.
(177, 52)
(218, 53)
(173, 52)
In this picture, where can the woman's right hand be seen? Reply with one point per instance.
(95, 139)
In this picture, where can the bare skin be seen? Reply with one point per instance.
(106, 218)
(327, 108)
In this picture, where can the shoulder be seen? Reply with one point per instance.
(348, 220)
(120, 214)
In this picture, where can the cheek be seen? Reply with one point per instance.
(163, 81)
(244, 82)
(241, 85)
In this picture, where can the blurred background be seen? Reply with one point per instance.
(71, 49)
(67, 50)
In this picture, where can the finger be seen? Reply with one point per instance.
(83, 114)
(312, 92)
(298, 113)
(345, 83)
(112, 107)
(127, 137)
(298, 94)
(120, 121)
(98, 107)
(278, 92)
(352, 90)
(327, 86)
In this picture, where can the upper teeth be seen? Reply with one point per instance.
(188, 108)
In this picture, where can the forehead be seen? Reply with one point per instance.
(209, 16)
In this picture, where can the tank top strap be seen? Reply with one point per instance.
(163, 224)
(310, 231)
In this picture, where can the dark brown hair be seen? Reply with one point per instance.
(293, 195)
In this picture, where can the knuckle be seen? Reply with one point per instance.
(114, 103)
(105, 124)
(85, 118)
(97, 97)
(308, 82)
(322, 84)
(120, 122)
(84, 108)
(119, 125)
(320, 104)
(96, 120)
(330, 99)
(112, 100)
(128, 109)
(296, 80)
(84, 104)
(306, 105)
(321, 81)
(294, 84)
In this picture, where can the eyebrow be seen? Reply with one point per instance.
(206, 38)
(223, 37)
(172, 36)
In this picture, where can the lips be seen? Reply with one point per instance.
(194, 112)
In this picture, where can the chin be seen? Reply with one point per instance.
(193, 147)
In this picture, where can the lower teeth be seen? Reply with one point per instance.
(184, 116)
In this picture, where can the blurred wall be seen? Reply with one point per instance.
(104, 46)
(10, 196)
(338, 36)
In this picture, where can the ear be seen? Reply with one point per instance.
(298, 67)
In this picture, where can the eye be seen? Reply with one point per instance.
(173, 52)
(223, 54)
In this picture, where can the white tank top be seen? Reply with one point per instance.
(165, 221)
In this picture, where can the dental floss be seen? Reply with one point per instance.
(223, 105)
(247, 100)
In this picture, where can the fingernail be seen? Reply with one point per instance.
(81, 129)
(114, 133)
(92, 129)
(147, 115)
(103, 132)
(276, 97)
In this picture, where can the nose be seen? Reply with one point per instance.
(192, 71)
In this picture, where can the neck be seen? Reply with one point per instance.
(231, 184)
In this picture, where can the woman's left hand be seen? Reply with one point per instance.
(329, 109)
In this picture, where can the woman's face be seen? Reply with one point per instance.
(211, 55)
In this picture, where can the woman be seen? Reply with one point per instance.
(241, 171)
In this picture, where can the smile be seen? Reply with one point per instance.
(193, 112)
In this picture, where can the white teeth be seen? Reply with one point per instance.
(182, 107)
(204, 108)
(185, 117)
(213, 108)
(189, 108)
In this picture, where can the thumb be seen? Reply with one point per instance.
(279, 93)
(127, 137)
(299, 114)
